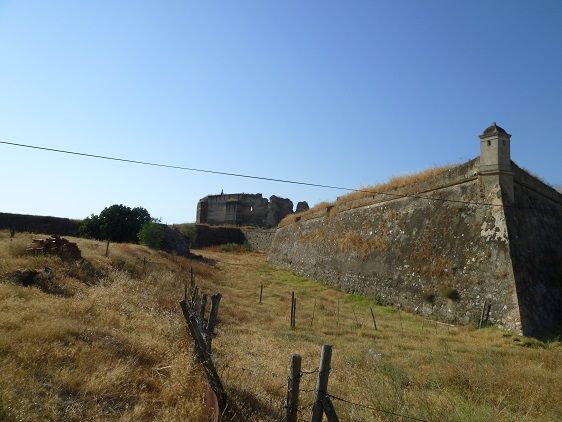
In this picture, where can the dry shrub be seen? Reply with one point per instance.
(450, 293)
(405, 184)
(362, 245)
(428, 297)
(317, 210)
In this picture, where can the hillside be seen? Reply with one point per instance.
(100, 341)
(106, 340)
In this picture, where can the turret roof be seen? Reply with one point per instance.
(494, 129)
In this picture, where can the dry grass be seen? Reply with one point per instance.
(116, 347)
(410, 365)
(401, 183)
(404, 185)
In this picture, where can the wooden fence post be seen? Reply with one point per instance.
(202, 354)
(107, 248)
(215, 301)
(293, 388)
(329, 410)
(292, 307)
(322, 383)
(313, 310)
(374, 321)
(202, 310)
(338, 321)
(482, 315)
(295, 312)
(261, 291)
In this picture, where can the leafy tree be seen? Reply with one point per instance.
(90, 228)
(117, 223)
(151, 234)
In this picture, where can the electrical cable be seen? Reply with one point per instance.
(270, 179)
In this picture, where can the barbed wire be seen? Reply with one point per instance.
(389, 412)
(251, 370)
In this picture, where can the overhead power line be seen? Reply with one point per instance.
(248, 176)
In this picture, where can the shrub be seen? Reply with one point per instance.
(118, 223)
(151, 235)
(428, 297)
(189, 230)
(451, 294)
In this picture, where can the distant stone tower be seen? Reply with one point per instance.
(495, 161)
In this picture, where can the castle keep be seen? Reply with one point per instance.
(243, 209)
(485, 232)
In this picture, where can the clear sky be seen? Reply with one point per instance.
(346, 93)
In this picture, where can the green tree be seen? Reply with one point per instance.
(90, 228)
(117, 223)
(151, 234)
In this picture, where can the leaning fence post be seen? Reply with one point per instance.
(321, 389)
(374, 321)
(191, 276)
(329, 409)
(107, 248)
(202, 310)
(213, 314)
(293, 388)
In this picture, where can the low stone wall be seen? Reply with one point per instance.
(259, 239)
(39, 224)
(216, 235)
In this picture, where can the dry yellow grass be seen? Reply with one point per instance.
(115, 348)
(420, 368)
(112, 348)
(404, 185)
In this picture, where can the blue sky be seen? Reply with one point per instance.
(342, 93)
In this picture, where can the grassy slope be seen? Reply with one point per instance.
(117, 348)
(114, 349)
(409, 365)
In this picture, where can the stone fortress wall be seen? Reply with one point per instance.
(484, 231)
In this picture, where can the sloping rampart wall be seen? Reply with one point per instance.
(535, 234)
(438, 258)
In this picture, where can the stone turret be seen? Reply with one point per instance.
(495, 150)
(495, 161)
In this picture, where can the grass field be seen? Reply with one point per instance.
(111, 345)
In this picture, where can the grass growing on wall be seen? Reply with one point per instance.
(404, 184)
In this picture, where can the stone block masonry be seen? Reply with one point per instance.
(242, 209)
(445, 258)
